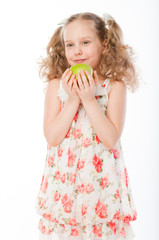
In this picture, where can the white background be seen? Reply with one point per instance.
(26, 27)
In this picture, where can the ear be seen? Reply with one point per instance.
(104, 46)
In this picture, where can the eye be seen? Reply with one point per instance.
(85, 42)
(69, 45)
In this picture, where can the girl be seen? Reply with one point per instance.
(85, 193)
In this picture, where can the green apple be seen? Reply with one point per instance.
(81, 66)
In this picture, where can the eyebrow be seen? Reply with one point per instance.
(86, 37)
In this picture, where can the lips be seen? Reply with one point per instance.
(79, 60)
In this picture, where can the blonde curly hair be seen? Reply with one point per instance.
(117, 62)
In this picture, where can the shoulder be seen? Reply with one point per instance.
(117, 88)
(52, 102)
(51, 89)
(52, 84)
(116, 108)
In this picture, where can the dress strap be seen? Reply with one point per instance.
(107, 85)
(107, 82)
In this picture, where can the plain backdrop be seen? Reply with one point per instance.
(25, 29)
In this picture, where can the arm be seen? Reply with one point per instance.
(109, 127)
(57, 122)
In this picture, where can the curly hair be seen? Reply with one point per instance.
(117, 63)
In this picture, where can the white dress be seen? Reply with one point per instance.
(85, 191)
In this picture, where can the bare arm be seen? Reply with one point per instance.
(109, 127)
(57, 122)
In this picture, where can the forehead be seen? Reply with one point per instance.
(79, 29)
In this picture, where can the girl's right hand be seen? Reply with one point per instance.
(67, 82)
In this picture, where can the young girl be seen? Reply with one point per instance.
(85, 193)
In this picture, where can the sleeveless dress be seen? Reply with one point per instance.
(85, 191)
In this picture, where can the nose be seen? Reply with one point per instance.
(78, 50)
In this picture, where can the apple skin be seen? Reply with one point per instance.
(81, 66)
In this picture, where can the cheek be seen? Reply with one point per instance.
(94, 51)
(68, 54)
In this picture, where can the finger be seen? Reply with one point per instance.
(84, 79)
(70, 82)
(90, 79)
(65, 73)
(67, 77)
(75, 86)
(96, 78)
(80, 83)
(95, 75)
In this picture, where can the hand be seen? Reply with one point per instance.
(87, 85)
(67, 81)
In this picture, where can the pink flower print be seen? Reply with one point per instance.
(112, 226)
(104, 182)
(63, 178)
(72, 222)
(117, 215)
(97, 163)
(74, 232)
(57, 175)
(97, 231)
(40, 224)
(67, 203)
(94, 229)
(47, 216)
(72, 178)
(89, 188)
(71, 158)
(75, 117)
(83, 210)
(117, 195)
(81, 188)
(101, 209)
(122, 231)
(126, 177)
(77, 133)
(42, 204)
(134, 216)
(48, 231)
(97, 139)
(126, 219)
(80, 164)
(67, 206)
(51, 161)
(41, 228)
(54, 220)
(97, 97)
(86, 142)
(57, 196)
(44, 184)
(115, 152)
(60, 151)
(68, 134)
(64, 199)
(62, 225)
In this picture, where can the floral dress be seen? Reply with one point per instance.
(85, 189)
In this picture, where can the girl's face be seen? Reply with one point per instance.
(82, 44)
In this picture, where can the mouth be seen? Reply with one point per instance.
(79, 60)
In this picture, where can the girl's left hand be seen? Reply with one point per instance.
(87, 85)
